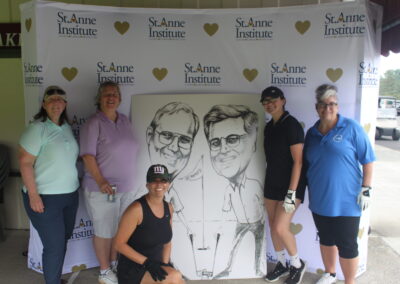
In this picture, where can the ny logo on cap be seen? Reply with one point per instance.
(159, 170)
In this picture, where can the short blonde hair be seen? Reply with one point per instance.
(100, 90)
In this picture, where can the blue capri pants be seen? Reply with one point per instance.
(55, 226)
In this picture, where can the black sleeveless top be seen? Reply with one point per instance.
(148, 239)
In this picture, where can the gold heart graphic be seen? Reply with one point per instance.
(334, 74)
(210, 29)
(360, 233)
(295, 228)
(69, 73)
(302, 27)
(77, 268)
(160, 73)
(250, 75)
(320, 271)
(121, 27)
(367, 127)
(302, 124)
(28, 24)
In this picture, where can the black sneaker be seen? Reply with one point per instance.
(278, 272)
(296, 274)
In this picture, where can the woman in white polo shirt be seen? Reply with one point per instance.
(47, 157)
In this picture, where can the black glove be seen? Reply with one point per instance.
(168, 264)
(155, 270)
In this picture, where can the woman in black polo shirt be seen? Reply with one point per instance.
(283, 191)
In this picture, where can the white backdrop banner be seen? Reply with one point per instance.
(210, 53)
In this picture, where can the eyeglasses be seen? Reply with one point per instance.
(166, 138)
(53, 99)
(231, 141)
(324, 105)
(109, 95)
(55, 91)
(269, 101)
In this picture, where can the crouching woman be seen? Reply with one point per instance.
(144, 235)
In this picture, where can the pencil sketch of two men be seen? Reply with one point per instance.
(231, 133)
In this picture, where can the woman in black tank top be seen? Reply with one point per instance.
(144, 235)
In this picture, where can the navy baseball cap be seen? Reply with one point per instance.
(157, 172)
(271, 92)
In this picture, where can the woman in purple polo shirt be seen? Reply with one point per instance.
(108, 149)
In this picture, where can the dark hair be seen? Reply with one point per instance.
(221, 112)
(172, 108)
(42, 114)
(108, 83)
(274, 93)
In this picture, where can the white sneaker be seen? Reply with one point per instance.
(114, 268)
(108, 277)
(326, 278)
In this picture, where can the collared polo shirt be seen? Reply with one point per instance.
(334, 171)
(278, 138)
(56, 151)
(245, 200)
(114, 147)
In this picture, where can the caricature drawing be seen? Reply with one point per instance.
(231, 132)
(169, 140)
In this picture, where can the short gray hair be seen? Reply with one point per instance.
(325, 91)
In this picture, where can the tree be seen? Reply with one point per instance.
(390, 84)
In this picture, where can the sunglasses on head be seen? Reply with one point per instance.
(55, 91)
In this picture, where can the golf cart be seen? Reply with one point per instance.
(386, 122)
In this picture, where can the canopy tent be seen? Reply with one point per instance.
(390, 26)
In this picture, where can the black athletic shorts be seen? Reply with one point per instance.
(341, 231)
(279, 193)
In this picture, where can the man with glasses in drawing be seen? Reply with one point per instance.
(170, 139)
(231, 132)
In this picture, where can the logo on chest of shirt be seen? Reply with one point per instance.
(337, 138)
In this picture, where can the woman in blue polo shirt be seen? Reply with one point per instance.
(48, 153)
(339, 158)
(283, 191)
